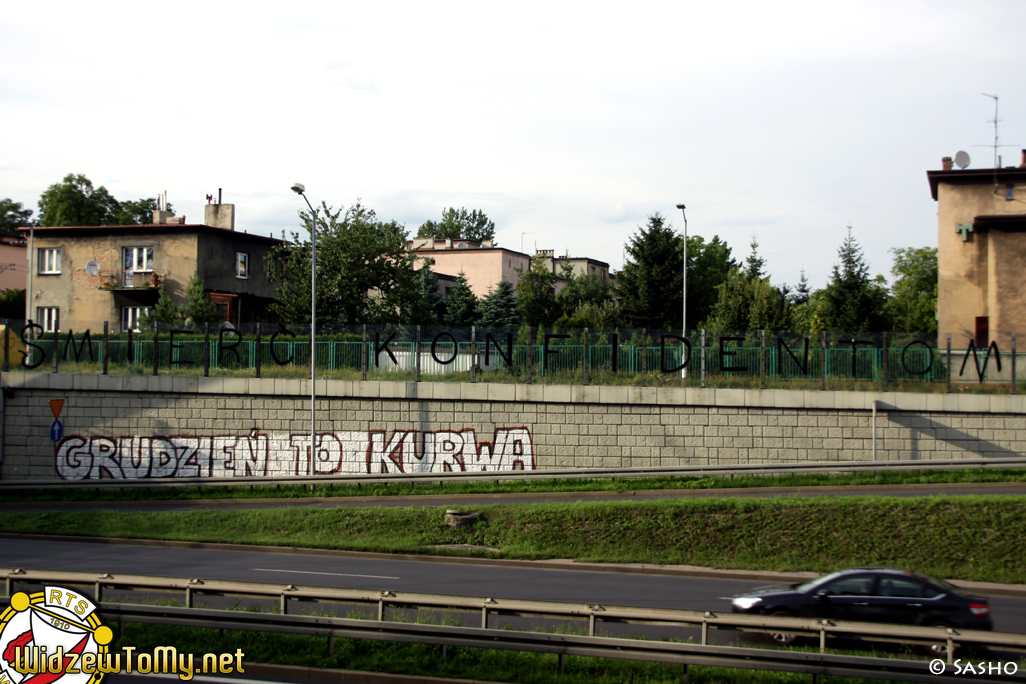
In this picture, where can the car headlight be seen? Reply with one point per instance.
(745, 603)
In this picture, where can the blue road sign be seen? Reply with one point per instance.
(56, 431)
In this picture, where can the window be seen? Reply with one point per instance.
(241, 265)
(49, 317)
(130, 316)
(138, 259)
(49, 261)
(893, 586)
(850, 586)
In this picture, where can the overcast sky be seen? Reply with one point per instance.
(570, 122)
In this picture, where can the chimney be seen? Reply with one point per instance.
(1023, 164)
(219, 216)
(161, 217)
(946, 163)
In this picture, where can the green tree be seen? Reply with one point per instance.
(708, 266)
(74, 202)
(19, 217)
(913, 302)
(199, 309)
(652, 277)
(12, 304)
(459, 224)
(747, 301)
(581, 290)
(854, 302)
(461, 305)
(429, 307)
(165, 312)
(499, 307)
(138, 212)
(364, 271)
(536, 294)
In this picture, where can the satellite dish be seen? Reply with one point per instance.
(93, 267)
(962, 159)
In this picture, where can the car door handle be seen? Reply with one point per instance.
(860, 604)
(915, 605)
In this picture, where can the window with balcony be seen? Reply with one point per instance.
(130, 316)
(138, 259)
(241, 265)
(49, 261)
(49, 317)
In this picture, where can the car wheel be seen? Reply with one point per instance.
(783, 638)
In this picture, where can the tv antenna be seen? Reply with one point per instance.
(996, 121)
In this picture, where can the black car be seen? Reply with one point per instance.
(873, 595)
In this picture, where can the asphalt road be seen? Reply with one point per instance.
(457, 500)
(496, 581)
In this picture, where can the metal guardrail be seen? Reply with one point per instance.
(563, 644)
(496, 476)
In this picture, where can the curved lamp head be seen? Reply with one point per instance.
(680, 205)
(298, 188)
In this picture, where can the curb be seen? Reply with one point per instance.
(988, 588)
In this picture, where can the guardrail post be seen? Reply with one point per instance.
(106, 345)
(822, 636)
(443, 656)
(473, 353)
(331, 645)
(188, 597)
(591, 625)
(484, 617)
(951, 646)
(687, 675)
(560, 663)
(705, 629)
(381, 610)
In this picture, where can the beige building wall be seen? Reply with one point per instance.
(14, 275)
(85, 300)
(483, 267)
(985, 274)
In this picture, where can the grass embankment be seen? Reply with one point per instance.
(966, 537)
(424, 660)
(455, 486)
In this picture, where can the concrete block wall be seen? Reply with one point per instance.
(144, 426)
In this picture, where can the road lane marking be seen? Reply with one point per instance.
(333, 574)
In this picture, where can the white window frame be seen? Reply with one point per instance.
(49, 317)
(242, 265)
(138, 259)
(130, 316)
(49, 261)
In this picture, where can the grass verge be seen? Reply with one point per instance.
(966, 537)
(450, 487)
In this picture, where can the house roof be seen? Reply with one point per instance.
(150, 228)
(1016, 174)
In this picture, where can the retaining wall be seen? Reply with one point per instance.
(144, 426)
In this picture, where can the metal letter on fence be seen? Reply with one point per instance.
(177, 346)
(904, 361)
(259, 350)
(824, 361)
(1013, 363)
(206, 350)
(886, 353)
(363, 354)
(685, 354)
(473, 353)
(417, 358)
(644, 356)
(854, 354)
(282, 330)
(547, 351)
(106, 350)
(378, 347)
(616, 352)
(156, 355)
(528, 355)
(434, 349)
(57, 349)
(724, 354)
(762, 359)
(703, 358)
(947, 364)
(587, 360)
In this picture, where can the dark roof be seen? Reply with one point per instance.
(1015, 174)
(152, 227)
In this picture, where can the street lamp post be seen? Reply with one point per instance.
(684, 317)
(300, 189)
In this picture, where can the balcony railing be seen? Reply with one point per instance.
(116, 280)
